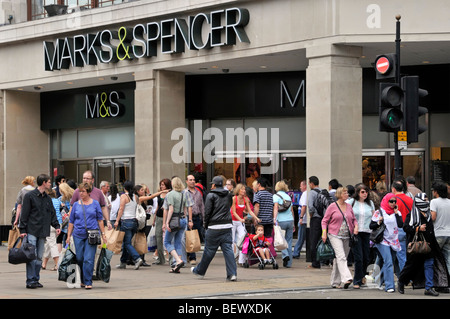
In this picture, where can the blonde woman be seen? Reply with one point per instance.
(338, 224)
(177, 200)
(28, 183)
(284, 217)
(241, 205)
(65, 198)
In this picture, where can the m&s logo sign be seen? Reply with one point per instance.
(104, 105)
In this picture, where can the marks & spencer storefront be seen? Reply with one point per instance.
(142, 92)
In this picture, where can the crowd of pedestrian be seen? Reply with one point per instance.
(344, 216)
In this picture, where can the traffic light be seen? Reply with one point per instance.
(386, 66)
(390, 107)
(411, 109)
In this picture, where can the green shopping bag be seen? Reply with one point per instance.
(324, 251)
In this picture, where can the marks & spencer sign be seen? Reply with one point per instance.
(203, 31)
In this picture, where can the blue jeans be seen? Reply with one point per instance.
(173, 240)
(388, 266)
(300, 240)
(85, 258)
(129, 226)
(34, 266)
(429, 272)
(288, 226)
(401, 255)
(213, 239)
(444, 244)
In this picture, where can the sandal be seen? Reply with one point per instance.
(347, 283)
(174, 271)
(178, 267)
(88, 287)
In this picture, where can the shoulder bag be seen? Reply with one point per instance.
(418, 245)
(353, 238)
(141, 215)
(174, 223)
(286, 204)
(94, 237)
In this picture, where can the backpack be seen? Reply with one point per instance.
(285, 206)
(322, 201)
(202, 190)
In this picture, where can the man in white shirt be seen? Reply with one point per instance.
(440, 214)
(303, 205)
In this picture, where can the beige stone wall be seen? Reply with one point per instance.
(25, 148)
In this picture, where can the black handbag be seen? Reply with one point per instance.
(94, 237)
(377, 235)
(22, 255)
(174, 223)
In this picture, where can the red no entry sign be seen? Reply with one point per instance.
(382, 65)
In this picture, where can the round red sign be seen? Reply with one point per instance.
(382, 65)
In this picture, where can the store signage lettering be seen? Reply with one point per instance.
(104, 105)
(203, 31)
(285, 94)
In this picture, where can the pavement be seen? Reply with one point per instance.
(156, 281)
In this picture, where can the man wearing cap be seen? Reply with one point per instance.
(218, 225)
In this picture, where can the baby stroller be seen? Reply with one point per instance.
(253, 257)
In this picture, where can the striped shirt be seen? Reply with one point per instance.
(265, 201)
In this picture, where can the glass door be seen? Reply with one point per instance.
(412, 165)
(293, 169)
(103, 171)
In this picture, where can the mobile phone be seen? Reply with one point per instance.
(396, 207)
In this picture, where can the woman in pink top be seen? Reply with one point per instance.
(338, 230)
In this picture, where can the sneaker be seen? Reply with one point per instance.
(431, 292)
(197, 275)
(232, 278)
(390, 290)
(121, 266)
(138, 263)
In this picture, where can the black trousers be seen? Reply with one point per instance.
(315, 234)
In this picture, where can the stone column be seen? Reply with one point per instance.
(159, 109)
(334, 114)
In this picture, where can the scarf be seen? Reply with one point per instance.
(385, 204)
(420, 206)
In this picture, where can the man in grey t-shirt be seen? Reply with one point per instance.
(440, 213)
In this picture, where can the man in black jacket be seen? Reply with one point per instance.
(218, 226)
(37, 215)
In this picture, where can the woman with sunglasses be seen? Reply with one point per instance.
(392, 218)
(363, 208)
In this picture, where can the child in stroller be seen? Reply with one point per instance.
(260, 248)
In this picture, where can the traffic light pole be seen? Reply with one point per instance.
(397, 156)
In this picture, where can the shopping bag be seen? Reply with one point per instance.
(151, 239)
(103, 269)
(279, 241)
(139, 242)
(22, 255)
(12, 237)
(324, 251)
(114, 239)
(193, 244)
(68, 266)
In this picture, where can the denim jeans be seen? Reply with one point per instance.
(213, 239)
(129, 226)
(429, 272)
(173, 240)
(300, 240)
(444, 244)
(34, 267)
(361, 257)
(401, 255)
(85, 258)
(388, 266)
(287, 226)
